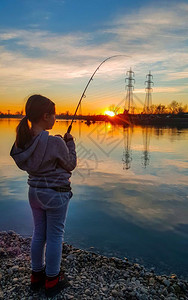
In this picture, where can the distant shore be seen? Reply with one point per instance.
(171, 120)
(92, 276)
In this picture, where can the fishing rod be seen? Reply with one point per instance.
(83, 94)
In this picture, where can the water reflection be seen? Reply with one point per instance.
(127, 153)
(146, 140)
(130, 192)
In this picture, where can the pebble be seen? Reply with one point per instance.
(1, 295)
(15, 268)
(114, 293)
(92, 276)
(69, 297)
(2, 252)
(22, 269)
(87, 292)
(166, 282)
(70, 257)
(151, 281)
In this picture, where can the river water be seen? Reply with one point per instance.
(130, 193)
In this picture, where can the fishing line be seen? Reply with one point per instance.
(91, 78)
(114, 88)
(99, 101)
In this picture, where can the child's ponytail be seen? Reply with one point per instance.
(35, 107)
(23, 133)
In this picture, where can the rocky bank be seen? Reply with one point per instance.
(92, 276)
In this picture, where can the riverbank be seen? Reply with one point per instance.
(156, 120)
(92, 276)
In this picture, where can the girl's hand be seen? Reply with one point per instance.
(67, 137)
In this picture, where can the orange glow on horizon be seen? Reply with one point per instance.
(109, 113)
(16, 109)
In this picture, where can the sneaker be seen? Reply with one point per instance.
(37, 280)
(56, 284)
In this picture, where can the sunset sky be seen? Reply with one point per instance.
(52, 47)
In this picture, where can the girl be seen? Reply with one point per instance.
(48, 161)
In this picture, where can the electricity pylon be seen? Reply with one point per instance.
(148, 100)
(129, 107)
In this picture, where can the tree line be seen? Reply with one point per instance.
(173, 108)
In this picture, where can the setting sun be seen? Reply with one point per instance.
(109, 113)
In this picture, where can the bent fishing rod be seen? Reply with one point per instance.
(83, 94)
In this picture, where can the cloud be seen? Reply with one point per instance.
(152, 22)
(154, 39)
(178, 75)
(145, 200)
(167, 89)
(177, 163)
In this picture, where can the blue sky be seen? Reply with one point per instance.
(53, 46)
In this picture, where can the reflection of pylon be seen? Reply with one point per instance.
(146, 139)
(148, 100)
(129, 107)
(127, 154)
